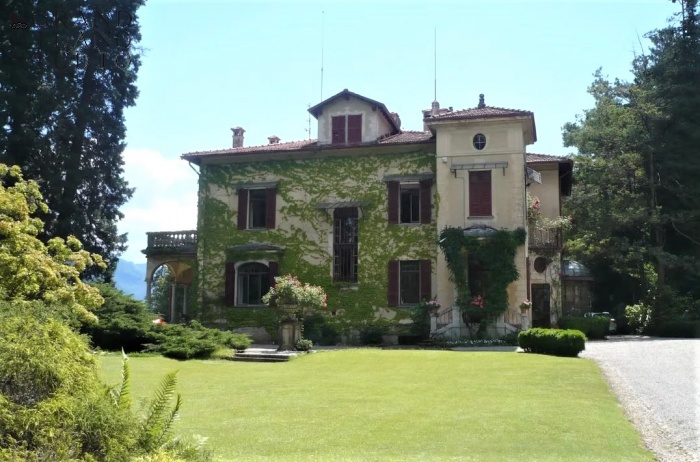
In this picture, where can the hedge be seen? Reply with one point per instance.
(678, 328)
(594, 328)
(557, 342)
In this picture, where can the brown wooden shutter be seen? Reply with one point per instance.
(480, 193)
(425, 280)
(270, 208)
(425, 201)
(338, 130)
(393, 201)
(355, 128)
(393, 286)
(274, 270)
(242, 208)
(230, 284)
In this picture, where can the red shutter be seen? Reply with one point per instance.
(425, 280)
(355, 128)
(270, 208)
(393, 201)
(274, 269)
(480, 194)
(338, 130)
(393, 287)
(425, 196)
(242, 208)
(230, 284)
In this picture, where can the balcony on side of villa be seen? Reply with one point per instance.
(544, 238)
(171, 242)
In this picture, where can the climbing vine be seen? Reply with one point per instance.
(496, 256)
(304, 233)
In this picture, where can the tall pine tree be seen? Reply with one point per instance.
(68, 71)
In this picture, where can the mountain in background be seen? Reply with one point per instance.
(130, 278)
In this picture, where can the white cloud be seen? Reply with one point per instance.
(165, 198)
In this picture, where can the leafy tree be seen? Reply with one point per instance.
(31, 270)
(161, 290)
(65, 81)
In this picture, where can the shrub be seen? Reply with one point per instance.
(122, 322)
(555, 342)
(371, 334)
(304, 345)
(595, 327)
(195, 341)
(318, 329)
(679, 328)
(638, 317)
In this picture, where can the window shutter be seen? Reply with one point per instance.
(393, 201)
(270, 208)
(273, 266)
(338, 130)
(425, 210)
(426, 292)
(242, 208)
(230, 284)
(393, 287)
(355, 128)
(480, 193)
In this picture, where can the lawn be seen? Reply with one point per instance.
(384, 405)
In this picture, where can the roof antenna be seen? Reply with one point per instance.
(435, 63)
(308, 130)
(323, 21)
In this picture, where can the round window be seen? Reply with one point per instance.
(479, 141)
(540, 264)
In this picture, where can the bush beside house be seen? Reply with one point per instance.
(557, 342)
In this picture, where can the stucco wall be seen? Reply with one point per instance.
(548, 190)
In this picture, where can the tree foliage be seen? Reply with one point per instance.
(31, 270)
(65, 79)
(636, 197)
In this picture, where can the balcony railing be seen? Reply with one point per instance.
(544, 238)
(171, 241)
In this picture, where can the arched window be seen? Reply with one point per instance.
(253, 283)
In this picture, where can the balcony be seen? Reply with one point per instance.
(544, 238)
(171, 242)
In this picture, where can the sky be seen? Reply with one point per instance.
(208, 66)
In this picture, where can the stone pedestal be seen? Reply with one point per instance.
(524, 321)
(289, 334)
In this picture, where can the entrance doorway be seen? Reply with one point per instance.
(541, 316)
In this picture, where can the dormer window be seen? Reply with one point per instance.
(346, 129)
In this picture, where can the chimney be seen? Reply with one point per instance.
(397, 119)
(274, 139)
(435, 109)
(237, 137)
(481, 101)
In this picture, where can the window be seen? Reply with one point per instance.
(248, 284)
(257, 208)
(345, 244)
(409, 282)
(253, 282)
(346, 129)
(409, 202)
(479, 141)
(480, 193)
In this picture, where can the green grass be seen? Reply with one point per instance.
(375, 405)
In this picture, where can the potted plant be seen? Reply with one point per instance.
(432, 306)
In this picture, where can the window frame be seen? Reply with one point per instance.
(348, 132)
(477, 208)
(416, 283)
(262, 193)
(410, 188)
(343, 270)
(245, 207)
(394, 200)
(264, 279)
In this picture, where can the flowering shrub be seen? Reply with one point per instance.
(431, 304)
(288, 290)
(526, 305)
(478, 301)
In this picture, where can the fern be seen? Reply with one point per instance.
(122, 398)
(158, 420)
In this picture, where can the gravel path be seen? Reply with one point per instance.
(657, 382)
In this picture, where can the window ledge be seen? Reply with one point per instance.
(487, 217)
(250, 306)
(411, 225)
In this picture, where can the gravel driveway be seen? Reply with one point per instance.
(657, 382)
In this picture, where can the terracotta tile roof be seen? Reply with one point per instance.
(531, 157)
(407, 137)
(486, 112)
(288, 146)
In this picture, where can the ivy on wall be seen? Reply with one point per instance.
(496, 256)
(301, 185)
